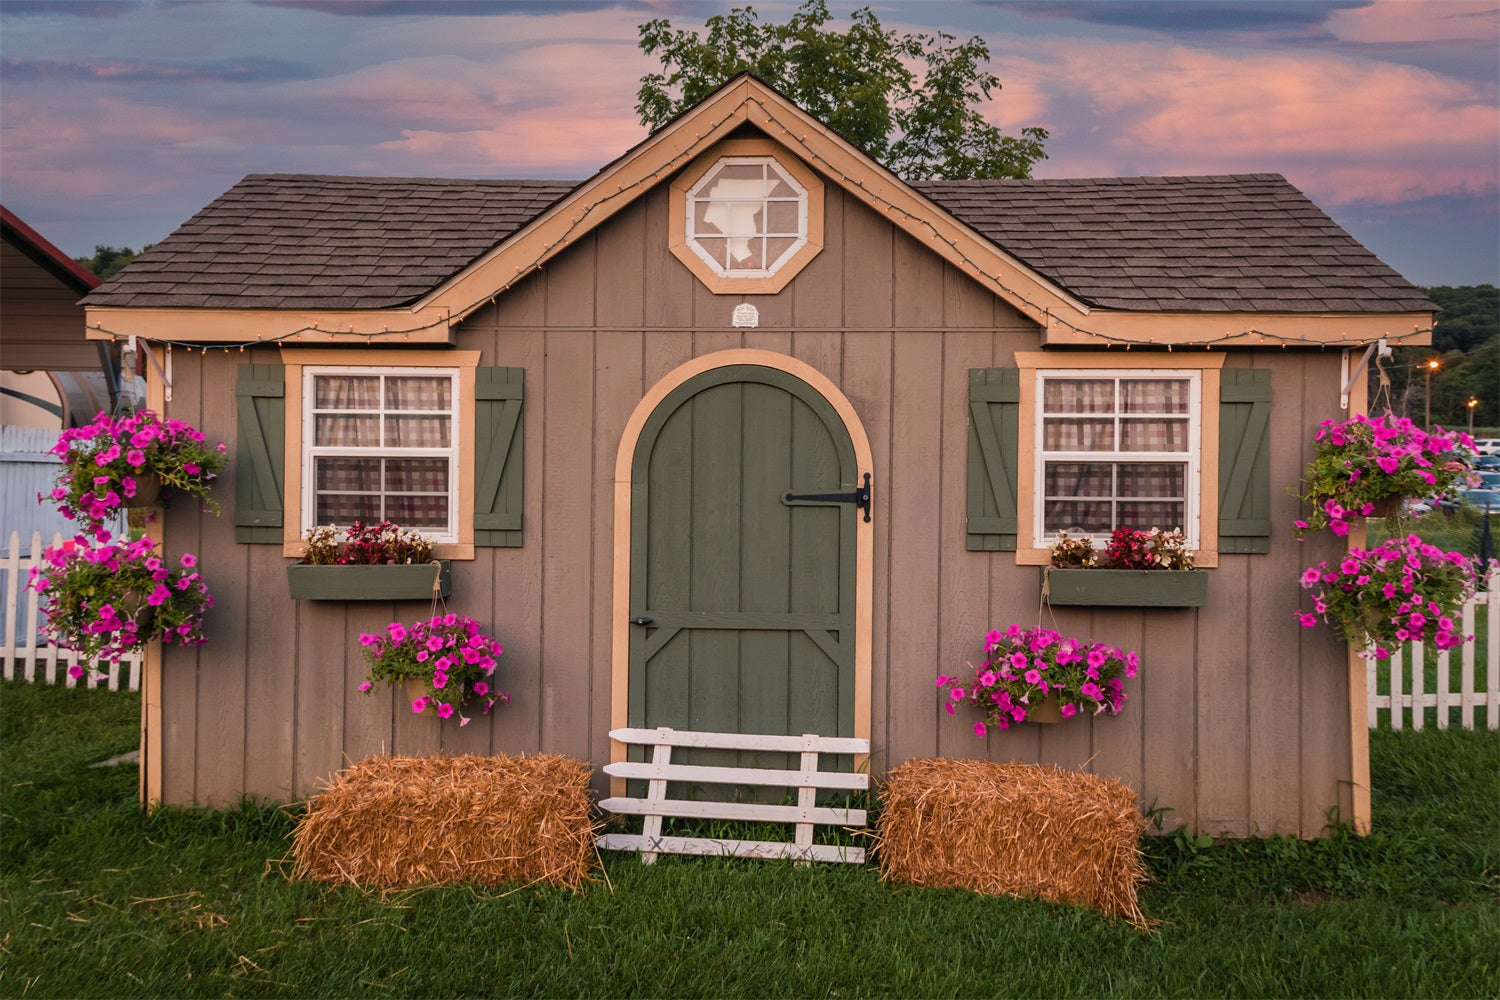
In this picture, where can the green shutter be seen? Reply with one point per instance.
(498, 496)
(994, 417)
(260, 461)
(1245, 460)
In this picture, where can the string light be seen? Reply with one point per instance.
(1045, 316)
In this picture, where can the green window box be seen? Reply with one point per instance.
(412, 582)
(1129, 588)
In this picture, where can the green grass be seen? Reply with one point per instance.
(101, 900)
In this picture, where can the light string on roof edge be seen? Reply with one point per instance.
(1045, 319)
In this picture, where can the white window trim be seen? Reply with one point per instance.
(694, 196)
(1192, 457)
(311, 451)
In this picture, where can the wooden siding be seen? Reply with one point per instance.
(41, 322)
(1238, 721)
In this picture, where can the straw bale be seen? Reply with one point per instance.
(405, 821)
(1016, 829)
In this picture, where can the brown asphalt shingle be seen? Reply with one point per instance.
(1223, 243)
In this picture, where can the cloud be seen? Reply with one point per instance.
(447, 8)
(1348, 129)
(1283, 18)
(72, 8)
(122, 71)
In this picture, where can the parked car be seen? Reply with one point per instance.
(1487, 501)
(1486, 462)
(1488, 480)
(1487, 446)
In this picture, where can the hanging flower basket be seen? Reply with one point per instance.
(442, 664)
(1039, 675)
(117, 462)
(1364, 467)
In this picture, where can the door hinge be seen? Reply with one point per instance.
(859, 497)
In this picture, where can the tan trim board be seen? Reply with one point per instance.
(300, 327)
(151, 663)
(1239, 329)
(864, 538)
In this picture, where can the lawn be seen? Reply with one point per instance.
(101, 900)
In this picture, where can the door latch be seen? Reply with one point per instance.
(859, 497)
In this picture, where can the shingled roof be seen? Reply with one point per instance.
(1224, 243)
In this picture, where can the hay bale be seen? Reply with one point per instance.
(1017, 829)
(406, 821)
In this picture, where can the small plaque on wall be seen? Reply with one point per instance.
(746, 315)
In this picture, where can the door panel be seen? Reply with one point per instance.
(751, 599)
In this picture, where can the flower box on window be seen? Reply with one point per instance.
(1129, 588)
(390, 582)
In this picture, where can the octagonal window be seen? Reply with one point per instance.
(746, 217)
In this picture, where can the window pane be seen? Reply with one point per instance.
(346, 392)
(746, 254)
(417, 511)
(416, 475)
(347, 432)
(1078, 395)
(1152, 479)
(413, 392)
(353, 475)
(1154, 514)
(1078, 517)
(779, 188)
(781, 218)
(717, 250)
(416, 432)
(1153, 435)
(346, 508)
(740, 175)
(1150, 395)
(1061, 434)
(1079, 479)
(776, 247)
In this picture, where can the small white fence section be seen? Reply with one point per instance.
(805, 814)
(1408, 697)
(26, 652)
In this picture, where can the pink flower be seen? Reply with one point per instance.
(979, 729)
(366, 686)
(1068, 710)
(188, 560)
(419, 706)
(445, 710)
(1306, 619)
(481, 688)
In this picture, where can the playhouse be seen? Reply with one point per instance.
(746, 434)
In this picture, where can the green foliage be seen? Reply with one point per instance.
(107, 261)
(98, 898)
(856, 80)
(1466, 342)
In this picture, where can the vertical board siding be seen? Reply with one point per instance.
(1235, 725)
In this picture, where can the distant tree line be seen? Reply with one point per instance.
(1466, 346)
(107, 261)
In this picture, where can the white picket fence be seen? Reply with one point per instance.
(27, 653)
(1478, 674)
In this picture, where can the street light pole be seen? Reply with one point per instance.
(1432, 366)
(1471, 404)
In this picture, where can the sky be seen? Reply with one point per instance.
(121, 118)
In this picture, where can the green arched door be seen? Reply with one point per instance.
(743, 599)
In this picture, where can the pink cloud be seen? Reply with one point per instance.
(1347, 129)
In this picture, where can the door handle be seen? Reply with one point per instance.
(642, 620)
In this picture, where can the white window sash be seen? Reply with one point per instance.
(1190, 458)
(449, 454)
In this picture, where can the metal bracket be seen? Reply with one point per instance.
(859, 497)
(1347, 378)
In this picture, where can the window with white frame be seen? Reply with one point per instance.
(1117, 450)
(381, 444)
(746, 217)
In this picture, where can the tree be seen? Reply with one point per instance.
(1466, 344)
(857, 81)
(107, 261)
